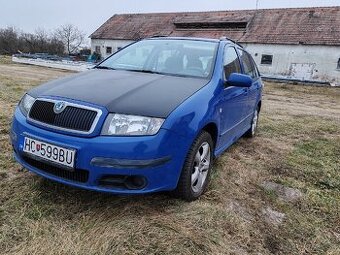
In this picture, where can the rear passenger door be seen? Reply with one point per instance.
(249, 68)
(233, 101)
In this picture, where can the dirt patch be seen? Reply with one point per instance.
(31, 73)
(284, 193)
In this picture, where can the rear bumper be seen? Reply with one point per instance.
(157, 159)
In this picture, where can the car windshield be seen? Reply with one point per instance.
(167, 56)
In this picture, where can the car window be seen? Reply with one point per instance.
(163, 56)
(248, 64)
(231, 62)
(134, 59)
(169, 57)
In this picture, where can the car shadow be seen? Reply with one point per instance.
(78, 200)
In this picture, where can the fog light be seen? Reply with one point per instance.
(131, 182)
(135, 182)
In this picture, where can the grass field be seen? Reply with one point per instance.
(297, 147)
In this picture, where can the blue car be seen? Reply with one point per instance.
(151, 117)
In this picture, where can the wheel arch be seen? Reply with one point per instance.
(259, 104)
(212, 129)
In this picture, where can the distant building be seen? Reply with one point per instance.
(297, 43)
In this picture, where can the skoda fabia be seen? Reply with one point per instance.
(151, 117)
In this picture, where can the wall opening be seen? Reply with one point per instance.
(97, 49)
(338, 66)
(108, 50)
(266, 59)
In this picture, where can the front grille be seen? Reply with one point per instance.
(78, 175)
(71, 117)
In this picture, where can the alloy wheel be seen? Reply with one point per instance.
(201, 167)
(254, 122)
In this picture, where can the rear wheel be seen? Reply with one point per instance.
(252, 131)
(197, 167)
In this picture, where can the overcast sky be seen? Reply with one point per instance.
(88, 15)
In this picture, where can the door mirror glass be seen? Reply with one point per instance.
(239, 80)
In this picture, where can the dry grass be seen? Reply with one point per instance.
(298, 146)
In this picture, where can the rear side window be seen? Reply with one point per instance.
(231, 62)
(248, 64)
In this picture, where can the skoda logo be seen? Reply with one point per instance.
(59, 107)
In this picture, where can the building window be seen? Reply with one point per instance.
(97, 49)
(266, 59)
(338, 66)
(108, 50)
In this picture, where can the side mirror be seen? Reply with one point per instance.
(239, 80)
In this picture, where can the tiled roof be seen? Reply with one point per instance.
(312, 26)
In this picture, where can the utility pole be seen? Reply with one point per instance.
(257, 4)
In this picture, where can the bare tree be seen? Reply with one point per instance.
(13, 41)
(71, 36)
(8, 40)
(41, 37)
(40, 42)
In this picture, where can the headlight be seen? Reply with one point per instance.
(26, 103)
(130, 125)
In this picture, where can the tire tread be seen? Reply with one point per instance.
(183, 189)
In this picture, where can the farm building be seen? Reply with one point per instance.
(296, 43)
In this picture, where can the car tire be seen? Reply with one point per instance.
(196, 171)
(254, 123)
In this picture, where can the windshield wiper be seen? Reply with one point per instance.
(143, 71)
(104, 67)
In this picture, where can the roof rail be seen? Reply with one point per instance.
(223, 38)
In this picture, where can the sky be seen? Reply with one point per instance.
(88, 15)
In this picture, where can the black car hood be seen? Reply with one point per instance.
(125, 92)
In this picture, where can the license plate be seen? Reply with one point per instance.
(49, 152)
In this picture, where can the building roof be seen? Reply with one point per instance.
(310, 26)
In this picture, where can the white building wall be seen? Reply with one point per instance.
(103, 44)
(302, 62)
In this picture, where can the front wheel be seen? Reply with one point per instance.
(197, 167)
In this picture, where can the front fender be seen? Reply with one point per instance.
(194, 114)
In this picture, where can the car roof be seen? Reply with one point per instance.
(223, 39)
(182, 38)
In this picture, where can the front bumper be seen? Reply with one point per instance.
(157, 159)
